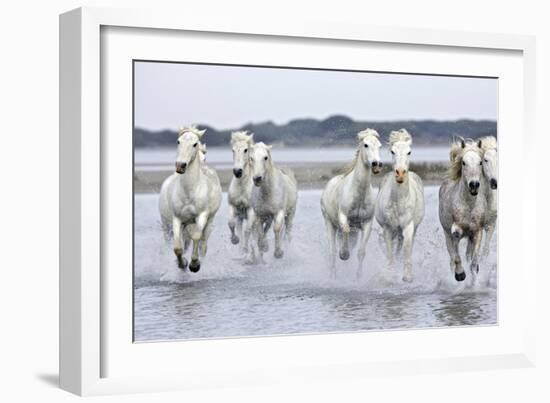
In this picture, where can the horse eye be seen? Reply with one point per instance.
(194, 145)
(393, 153)
(245, 150)
(486, 160)
(178, 141)
(463, 163)
(366, 146)
(480, 163)
(409, 153)
(265, 158)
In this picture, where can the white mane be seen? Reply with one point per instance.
(488, 143)
(400, 135)
(241, 136)
(191, 129)
(367, 133)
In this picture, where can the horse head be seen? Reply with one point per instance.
(260, 162)
(471, 161)
(490, 159)
(188, 147)
(369, 149)
(400, 148)
(241, 143)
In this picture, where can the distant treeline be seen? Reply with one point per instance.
(333, 131)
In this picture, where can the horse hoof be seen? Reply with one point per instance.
(234, 239)
(182, 262)
(344, 254)
(264, 247)
(278, 253)
(195, 266)
(460, 276)
(408, 279)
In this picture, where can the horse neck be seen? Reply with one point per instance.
(400, 191)
(267, 182)
(192, 175)
(361, 175)
(246, 173)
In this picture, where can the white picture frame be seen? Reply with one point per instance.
(86, 333)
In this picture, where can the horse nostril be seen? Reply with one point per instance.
(238, 172)
(374, 164)
(180, 167)
(493, 183)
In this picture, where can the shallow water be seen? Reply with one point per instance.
(155, 159)
(228, 298)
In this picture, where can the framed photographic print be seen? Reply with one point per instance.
(239, 204)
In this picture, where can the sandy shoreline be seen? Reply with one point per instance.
(309, 176)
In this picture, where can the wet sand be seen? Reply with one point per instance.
(309, 175)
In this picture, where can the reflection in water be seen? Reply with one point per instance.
(294, 295)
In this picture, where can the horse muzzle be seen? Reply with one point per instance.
(474, 187)
(376, 167)
(238, 172)
(257, 180)
(181, 167)
(400, 175)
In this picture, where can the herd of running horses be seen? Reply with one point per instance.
(262, 195)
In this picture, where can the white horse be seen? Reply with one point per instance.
(462, 210)
(347, 202)
(490, 172)
(274, 198)
(189, 199)
(400, 202)
(240, 189)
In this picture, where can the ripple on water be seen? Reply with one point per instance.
(228, 298)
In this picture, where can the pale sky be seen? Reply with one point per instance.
(170, 95)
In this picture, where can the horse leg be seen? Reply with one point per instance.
(388, 239)
(232, 221)
(476, 244)
(289, 219)
(205, 235)
(278, 229)
(240, 232)
(489, 232)
(365, 233)
(344, 227)
(331, 233)
(408, 239)
(251, 229)
(196, 235)
(178, 247)
(456, 262)
(399, 246)
(247, 228)
(266, 225)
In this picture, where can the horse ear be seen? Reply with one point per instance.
(251, 139)
(269, 147)
(462, 143)
(480, 144)
(201, 132)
